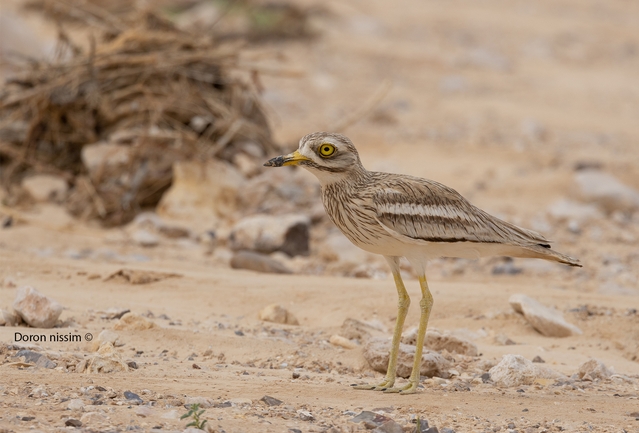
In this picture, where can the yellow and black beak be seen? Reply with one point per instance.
(290, 159)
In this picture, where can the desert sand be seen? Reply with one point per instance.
(505, 102)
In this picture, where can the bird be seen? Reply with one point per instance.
(397, 215)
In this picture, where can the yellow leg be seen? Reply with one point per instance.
(425, 305)
(402, 309)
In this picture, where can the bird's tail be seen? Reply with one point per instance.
(544, 252)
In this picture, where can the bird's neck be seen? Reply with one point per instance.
(353, 175)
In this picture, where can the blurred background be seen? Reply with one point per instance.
(147, 124)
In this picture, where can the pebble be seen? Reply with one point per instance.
(439, 341)
(7, 318)
(267, 234)
(143, 411)
(72, 422)
(277, 314)
(106, 360)
(45, 187)
(204, 402)
(145, 238)
(271, 401)
(132, 397)
(133, 322)
(36, 358)
(338, 340)
(75, 404)
(92, 418)
(595, 369)
(305, 415)
(376, 352)
(36, 309)
(258, 262)
(114, 313)
(547, 321)
(515, 370)
(106, 336)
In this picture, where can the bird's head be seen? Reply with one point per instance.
(331, 157)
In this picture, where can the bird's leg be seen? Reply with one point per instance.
(402, 310)
(425, 306)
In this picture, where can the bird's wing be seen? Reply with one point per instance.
(425, 210)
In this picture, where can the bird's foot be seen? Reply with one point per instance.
(410, 388)
(383, 386)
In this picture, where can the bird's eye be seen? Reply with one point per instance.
(326, 150)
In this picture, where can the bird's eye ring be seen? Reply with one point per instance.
(326, 150)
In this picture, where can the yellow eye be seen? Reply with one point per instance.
(326, 150)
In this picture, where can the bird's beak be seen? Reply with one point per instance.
(290, 159)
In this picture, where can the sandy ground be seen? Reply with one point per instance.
(500, 100)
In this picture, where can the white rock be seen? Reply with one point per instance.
(145, 238)
(97, 157)
(515, 370)
(36, 309)
(202, 193)
(257, 262)
(7, 318)
(338, 340)
(143, 411)
(75, 404)
(92, 418)
(606, 191)
(45, 187)
(172, 414)
(377, 352)
(595, 369)
(266, 234)
(545, 320)
(277, 314)
(106, 336)
(204, 402)
(107, 360)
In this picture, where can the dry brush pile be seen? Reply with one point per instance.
(111, 118)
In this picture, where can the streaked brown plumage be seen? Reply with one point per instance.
(404, 216)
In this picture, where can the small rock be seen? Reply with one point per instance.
(45, 187)
(72, 422)
(106, 360)
(389, 426)
(338, 340)
(271, 401)
(377, 350)
(36, 358)
(172, 414)
(75, 404)
(606, 191)
(515, 370)
(36, 309)
(504, 340)
(132, 397)
(145, 238)
(305, 415)
(133, 322)
(258, 262)
(106, 336)
(370, 419)
(97, 157)
(266, 234)
(7, 318)
(595, 369)
(538, 359)
(354, 329)
(240, 401)
(277, 314)
(115, 313)
(439, 341)
(143, 411)
(204, 402)
(547, 321)
(92, 418)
